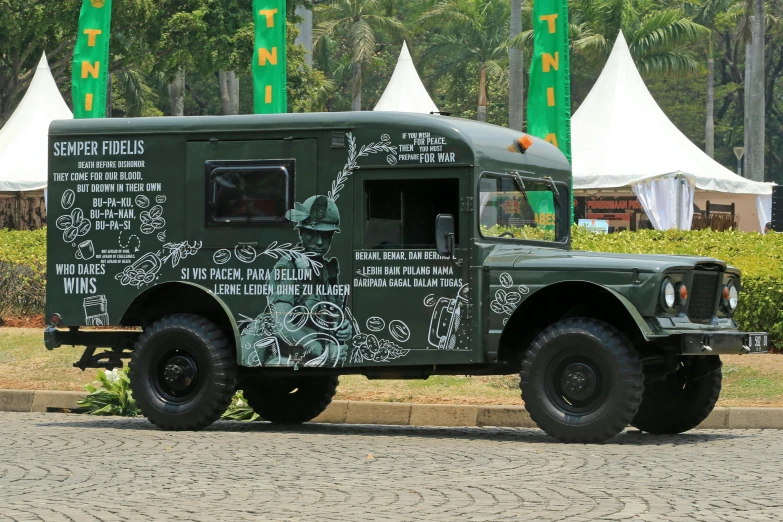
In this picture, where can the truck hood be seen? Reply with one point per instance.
(555, 259)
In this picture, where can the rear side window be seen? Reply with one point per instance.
(249, 191)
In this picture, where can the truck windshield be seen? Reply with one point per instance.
(522, 208)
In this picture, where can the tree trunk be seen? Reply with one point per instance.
(757, 124)
(709, 126)
(746, 120)
(177, 93)
(356, 103)
(108, 95)
(516, 88)
(306, 33)
(225, 99)
(481, 114)
(233, 92)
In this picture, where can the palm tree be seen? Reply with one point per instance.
(658, 41)
(474, 31)
(706, 14)
(360, 20)
(516, 64)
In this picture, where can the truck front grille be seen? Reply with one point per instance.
(704, 293)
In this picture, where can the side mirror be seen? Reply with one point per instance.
(444, 234)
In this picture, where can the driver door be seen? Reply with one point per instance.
(409, 305)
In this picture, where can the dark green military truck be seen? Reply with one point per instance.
(274, 253)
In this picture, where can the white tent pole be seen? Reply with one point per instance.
(678, 180)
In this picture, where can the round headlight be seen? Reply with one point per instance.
(733, 297)
(667, 294)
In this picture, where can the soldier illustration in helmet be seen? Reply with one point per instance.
(312, 323)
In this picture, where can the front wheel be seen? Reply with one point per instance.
(682, 400)
(289, 400)
(182, 372)
(581, 381)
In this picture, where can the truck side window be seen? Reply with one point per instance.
(400, 214)
(249, 191)
(506, 210)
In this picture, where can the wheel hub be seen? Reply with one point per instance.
(180, 372)
(578, 381)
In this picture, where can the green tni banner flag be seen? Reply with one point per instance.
(91, 60)
(269, 64)
(549, 93)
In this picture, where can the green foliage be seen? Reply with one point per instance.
(759, 257)
(537, 234)
(112, 397)
(22, 272)
(239, 409)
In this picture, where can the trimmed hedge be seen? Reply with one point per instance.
(22, 272)
(760, 257)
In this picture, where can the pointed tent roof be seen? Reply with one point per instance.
(24, 137)
(405, 92)
(621, 136)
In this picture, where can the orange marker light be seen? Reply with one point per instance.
(524, 143)
(683, 293)
(726, 293)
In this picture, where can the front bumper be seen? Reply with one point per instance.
(724, 342)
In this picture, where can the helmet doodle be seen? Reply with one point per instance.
(316, 213)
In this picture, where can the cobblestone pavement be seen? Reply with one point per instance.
(59, 467)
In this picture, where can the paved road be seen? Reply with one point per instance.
(57, 467)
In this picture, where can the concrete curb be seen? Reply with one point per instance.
(403, 414)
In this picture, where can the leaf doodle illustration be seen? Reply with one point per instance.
(292, 253)
(351, 165)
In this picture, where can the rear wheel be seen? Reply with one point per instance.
(581, 381)
(682, 400)
(290, 400)
(182, 372)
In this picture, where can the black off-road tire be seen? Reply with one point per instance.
(195, 342)
(290, 400)
(679, 403)
(581, 381)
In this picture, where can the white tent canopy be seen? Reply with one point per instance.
(405, 92)
(24, 138)
(622, 138)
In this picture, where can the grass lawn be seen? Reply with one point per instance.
(748, 380)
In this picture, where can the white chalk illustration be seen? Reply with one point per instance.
(68, 199)
(221, 256)
(245, 253)
(73, 225)
(353, 156)
(505, 302)
(85, 251)
(327, 315)
(375, 324)
(129, 241)
(142, 201)
(145, 269)
(506, 280)
(248, 254)
(96, 311)
(399, 331)
(152, 220)
(446, 332)
(161, 236)
(367, 347)
(160, 198)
